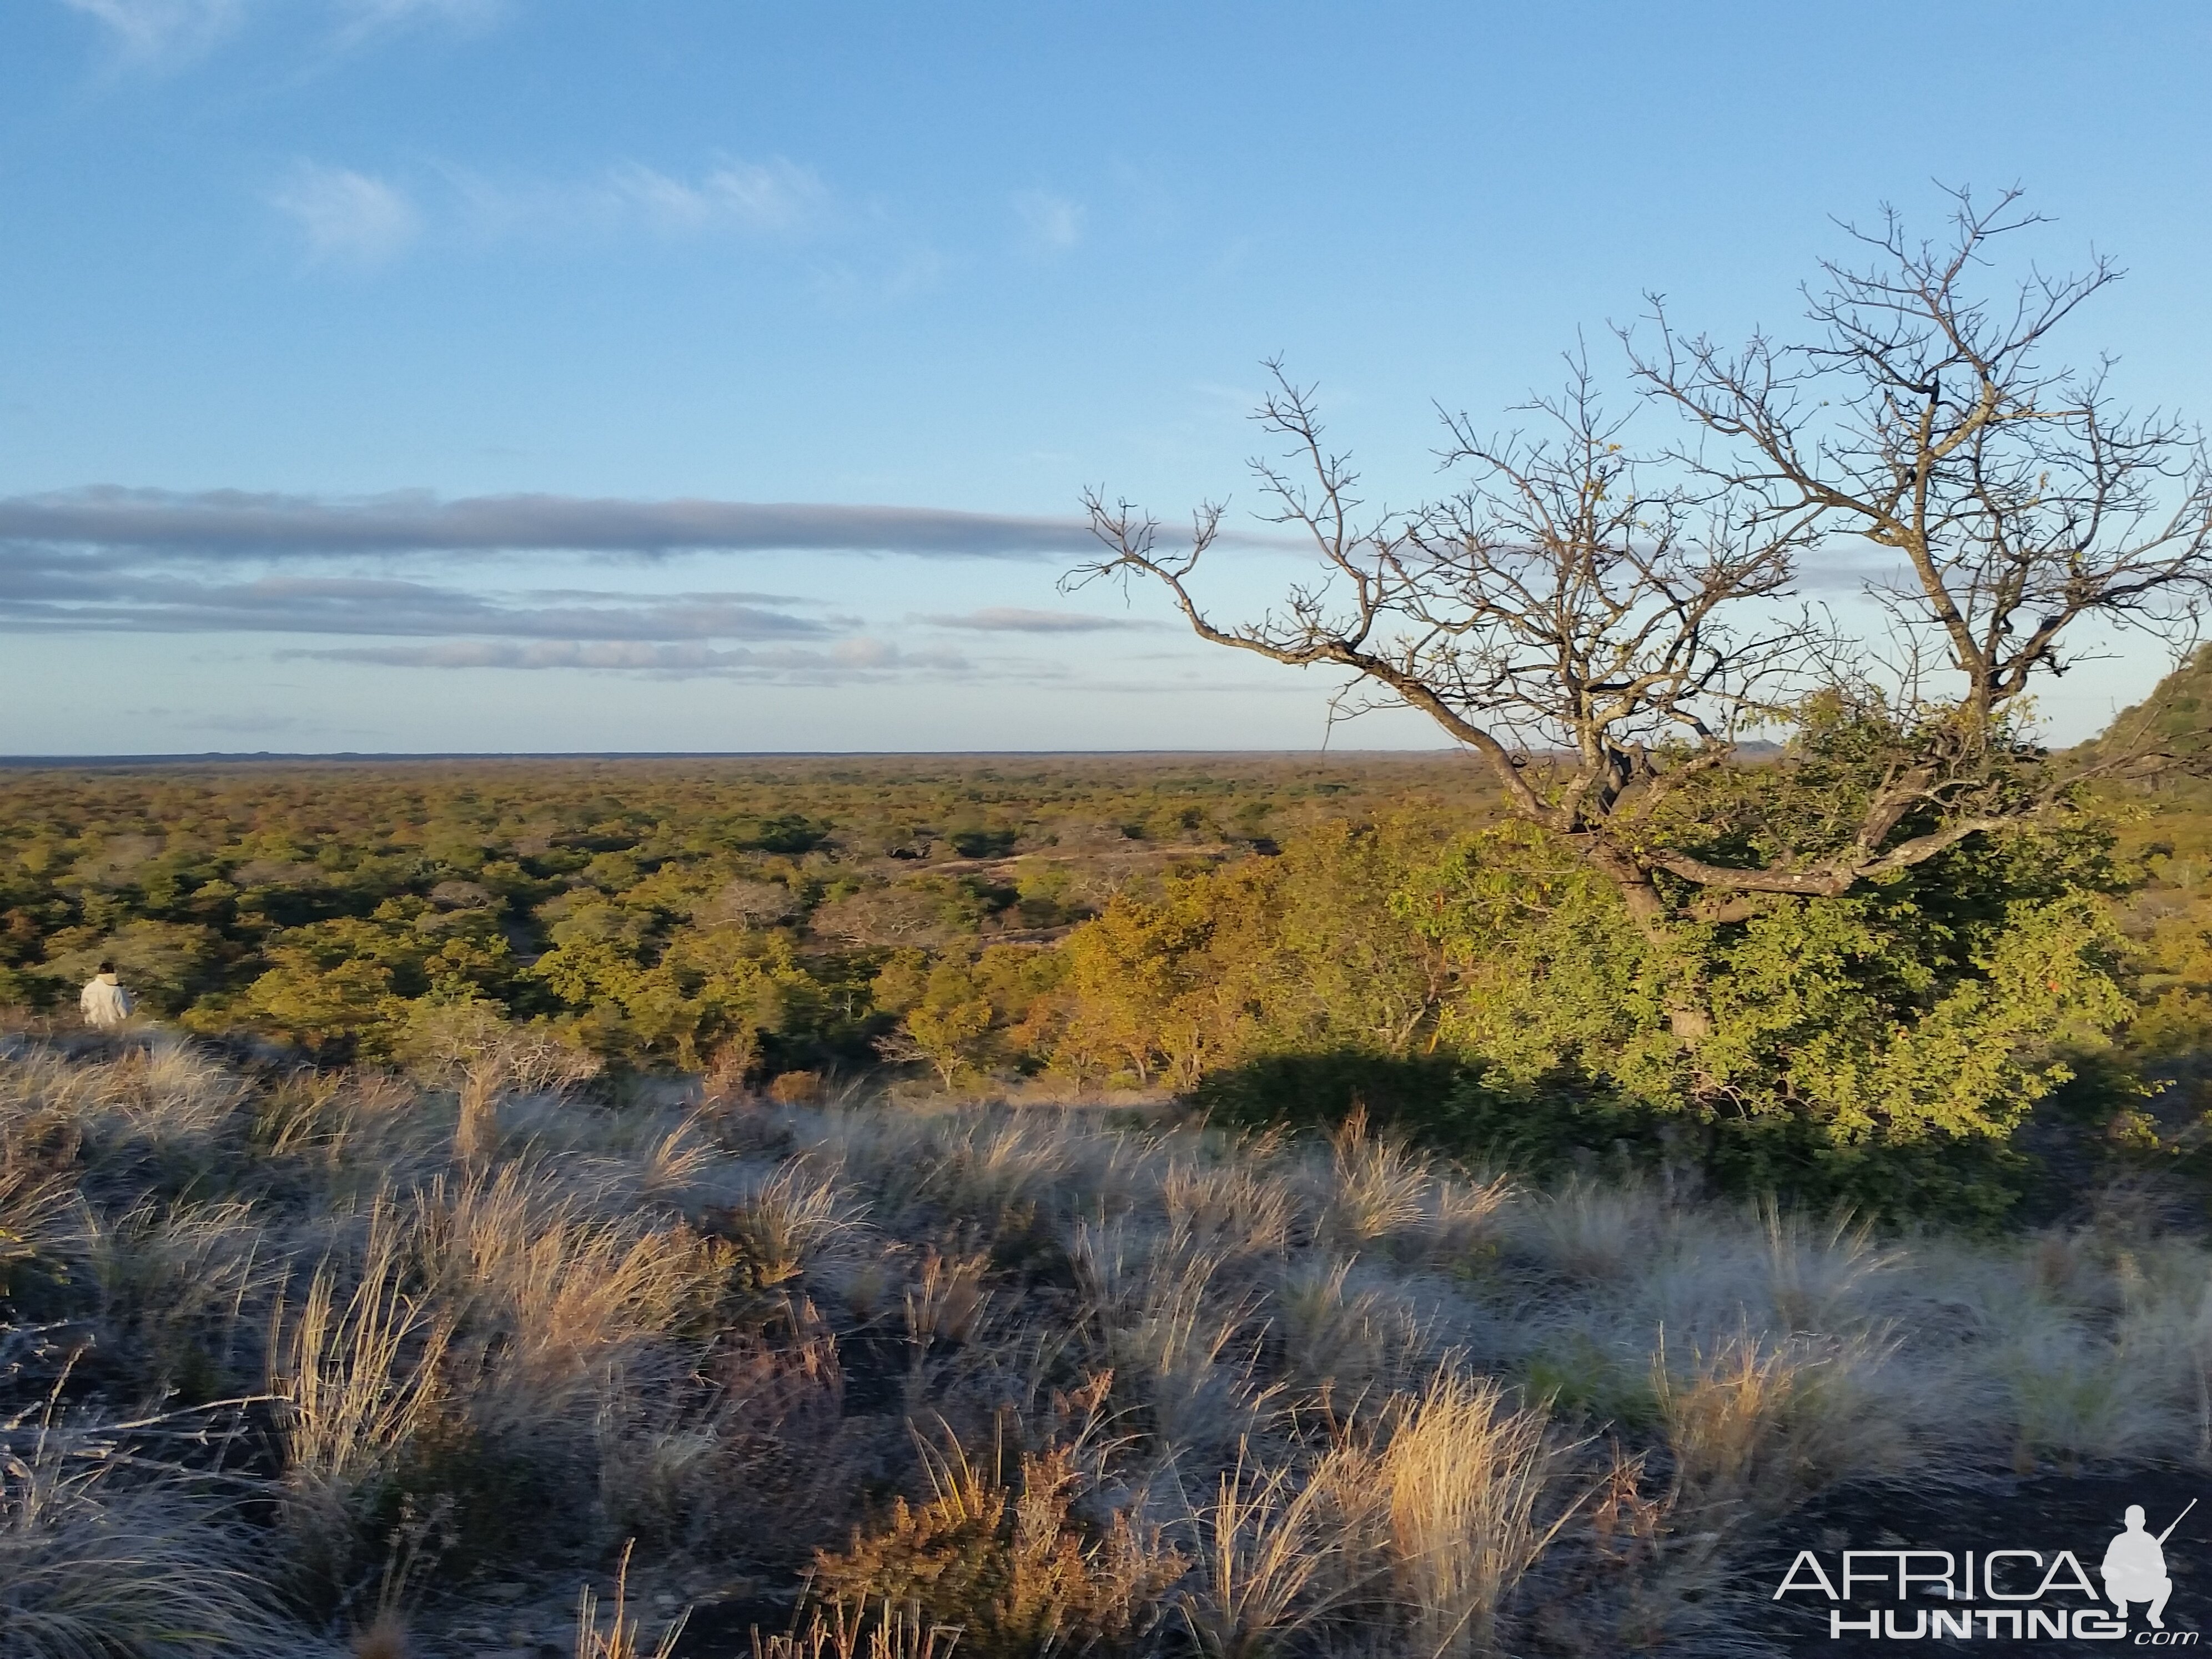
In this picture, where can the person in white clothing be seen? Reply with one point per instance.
(107, 1005)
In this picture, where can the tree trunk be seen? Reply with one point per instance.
(1689, 1016)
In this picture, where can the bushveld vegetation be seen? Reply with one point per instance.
(1278, 938)
(1851, 966)
(907, 1301)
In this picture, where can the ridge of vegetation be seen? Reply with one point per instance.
(1280, 936)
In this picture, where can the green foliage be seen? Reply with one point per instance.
(1939, 1003)
(1154, 988)
(1882, 1046)
(1426, 1096)
(1283, 939)
(946, 1014)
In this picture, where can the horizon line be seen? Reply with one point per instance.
(281, 756)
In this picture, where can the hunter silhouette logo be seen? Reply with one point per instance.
(1998, 1594)
(2134, 1566)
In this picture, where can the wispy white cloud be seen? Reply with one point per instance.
(772, 196)
(777, 197)
(364, 19)
(347, 217)
(159, 32)
(359, 218)
(1049, 223)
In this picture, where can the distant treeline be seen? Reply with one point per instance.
(1274, 938)
(659, 913)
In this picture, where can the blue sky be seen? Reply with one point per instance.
(284, 281)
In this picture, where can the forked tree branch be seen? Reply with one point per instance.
(1600, 627)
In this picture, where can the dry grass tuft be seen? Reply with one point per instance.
(1267, 1561)
(947, 1299)
(1764, 1425)
(574, 1323)
(93, 1562)
(1469, 1479)
(891, 1633)
(618, 1639)
(783, 1221)
(1340, 1341)
(359, 1380)
(1376, 1186)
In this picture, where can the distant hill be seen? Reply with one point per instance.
(2175, 720)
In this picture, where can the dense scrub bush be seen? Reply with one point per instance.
(1936, 1042)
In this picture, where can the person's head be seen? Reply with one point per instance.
(107, 967)
(2135, 1517)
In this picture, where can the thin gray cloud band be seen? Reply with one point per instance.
(112, 560)
(237, 524)
(139, 603)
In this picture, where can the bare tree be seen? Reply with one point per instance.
(2022, 504)
(1556, 607)
(1602, 628)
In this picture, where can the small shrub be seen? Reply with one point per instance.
(1010, 1567)
(797, 1088)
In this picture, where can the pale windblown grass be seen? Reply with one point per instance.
(784, 1220)
(182, 1282)
(1372, 1186)
(550, 1292)
(1468, 1478)
(94, 1564)
(1367, 1394)
(357, 1373)
(1348, 1340)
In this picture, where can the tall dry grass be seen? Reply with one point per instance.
(96, 1559)
(1268, 1560)
(360, 1374)
(1361, 1398)
(1469, 1479)
(618, 1636)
